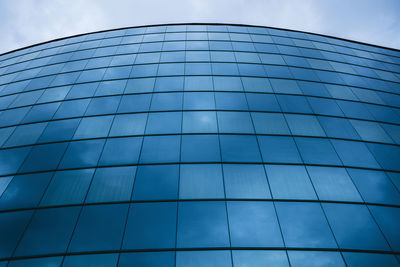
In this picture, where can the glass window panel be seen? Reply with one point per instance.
(147, 70)
(91, 75)
(269, 123)
(333, 184)
(100, 227)
(207, 258)
(223, 56)
(234, 122)
(285, 86)
(151, 226)
(54, 94)
(228, 84)
(4, 181)
(252, 70)
(67, 187)
(369, 259)
(197, 69)
(25, 134)
(290, 182)
(325, 106)
(13, 116)
(5, 134)
(157, 182)
(262, 102)
(24, 191)
(38, 262)
(139, 85)
(370, 131)
(111, 184)
(317, 151)
(354, 227)
(253, 224)
(159, 149)
(375, 186)
(148, 259)
(225, 69)
(304, 225)
(239, 148)
(313, 88)
(247, 57)
(231, 101)
(354, 110)
(93, 127)
(274, 71)
(199, 122)
(198, 83)
(202, 224)
(111, 87)
(12, 226)
(197, 56)
(82, 154)
(82, 90)
(304, 125)
(315, 258)
(48, 232)
(103, 105)
(164, 123)
(245, 181)
(121, 151)
(135, 103)
(386, 155)
(12, 159)
(388, 219)
(167, 69)
(354, 154)
(259, 258)
(59, 130)
(199, 181)
(147, 58)
(128, 124)
(166, 101)
(200, 148)
(295, 104)
(279, 149)
(41, 112)
(98, 260)
(44, 157)
(338, 127)
(253, 84)
(169, 84)
(172, 56)
(198, 100)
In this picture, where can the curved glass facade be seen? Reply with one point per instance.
(200, 145)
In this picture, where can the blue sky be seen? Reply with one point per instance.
(26, 22)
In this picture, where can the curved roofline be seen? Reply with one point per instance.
(198, 23)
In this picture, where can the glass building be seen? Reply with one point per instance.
(200, 145)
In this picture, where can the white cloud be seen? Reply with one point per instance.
(26, 22)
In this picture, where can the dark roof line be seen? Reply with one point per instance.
(198, 23)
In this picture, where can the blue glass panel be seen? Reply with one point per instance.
(231, 101)
(93, 127)
(354, 227)
(235, 122)
(269, 123)
(386, 155)
(290, 182)
(333, 184)
(94, 260)
(253, 224)
(198, 101)
(317, 151)
(61, 130)
(148, 259)
(128, 124)
(354, 154)
(200, 148)
(200, 181)
(259, 258)
(262, 102)
(151, 226)
(375, 186)
(111, 184)
(166, 101)
(164, 123)
(121, 151)
(304, 225)
(245, 181)
(24, 191)
(239, 148)
(12, 225)
(48, 232)
(71, 109)
(38, 262)
(315, 259)
(203, 258)
(156, 182)
(369, 259)
(67, 187)
(103, 105)
(82, 154)
(199, 122)
(388, 219)
(202, 224)
(280, 149)
(99, 227)
(159, 149)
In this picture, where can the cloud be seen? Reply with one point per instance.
(26, 22)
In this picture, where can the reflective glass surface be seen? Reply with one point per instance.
(200, 145)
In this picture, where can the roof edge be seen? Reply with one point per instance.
(199, 23)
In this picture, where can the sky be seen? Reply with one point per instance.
(27, 22)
